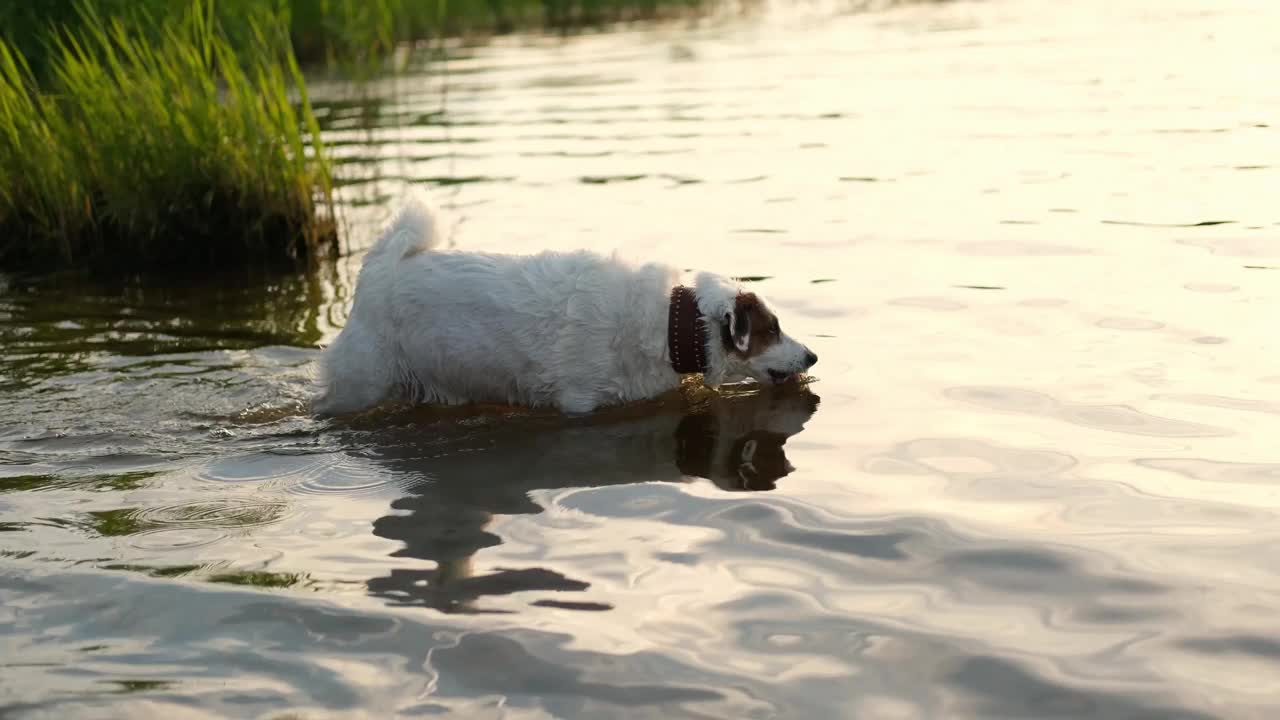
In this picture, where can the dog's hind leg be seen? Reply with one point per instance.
(357, 374)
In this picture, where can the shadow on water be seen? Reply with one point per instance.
(734, 441)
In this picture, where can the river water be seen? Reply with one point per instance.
(1034, 243)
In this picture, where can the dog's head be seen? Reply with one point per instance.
(746, 336)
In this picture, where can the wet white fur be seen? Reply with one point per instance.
(576, 331)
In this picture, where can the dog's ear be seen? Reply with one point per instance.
(738, 323)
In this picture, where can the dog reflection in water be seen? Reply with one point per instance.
(459, 483)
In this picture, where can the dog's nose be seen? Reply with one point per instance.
(810, 357)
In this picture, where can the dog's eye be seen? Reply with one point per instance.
(775, 330)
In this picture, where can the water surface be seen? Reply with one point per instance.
(1034, 243)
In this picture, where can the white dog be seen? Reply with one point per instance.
(574, 331)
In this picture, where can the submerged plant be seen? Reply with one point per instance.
(176, 146)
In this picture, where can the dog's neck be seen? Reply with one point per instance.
(686, 332)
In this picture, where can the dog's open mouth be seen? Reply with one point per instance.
(780, 377)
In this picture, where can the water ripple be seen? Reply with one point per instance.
(1216, 470)
(1112, 418)
(1092, 538)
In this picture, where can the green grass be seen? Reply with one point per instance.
(176, 148)
(342, 32)
(162, 133)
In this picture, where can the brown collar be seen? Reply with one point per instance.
(686, 333)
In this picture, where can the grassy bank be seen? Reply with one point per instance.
(176, 148)
(341, 31)
(346, 29)
(139, 133)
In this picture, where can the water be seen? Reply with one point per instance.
(1035, 475)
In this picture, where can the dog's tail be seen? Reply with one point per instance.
(412, 230)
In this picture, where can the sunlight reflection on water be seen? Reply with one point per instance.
(1033, 243)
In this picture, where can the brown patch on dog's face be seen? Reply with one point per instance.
(751, 328)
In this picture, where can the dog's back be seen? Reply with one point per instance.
(452, 327)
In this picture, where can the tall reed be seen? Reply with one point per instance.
(162, 132)
(173, 148)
